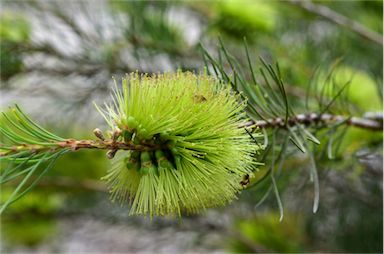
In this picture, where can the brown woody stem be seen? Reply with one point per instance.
(372, 122)
(75, 145)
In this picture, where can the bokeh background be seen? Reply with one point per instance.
(57, 57)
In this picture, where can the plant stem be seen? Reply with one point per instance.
(75, 145)
(368, 122)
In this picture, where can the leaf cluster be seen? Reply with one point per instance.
(268, 101)
(28, 152)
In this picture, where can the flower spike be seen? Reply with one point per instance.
(199, 156)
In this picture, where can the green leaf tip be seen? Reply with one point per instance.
(200, 154)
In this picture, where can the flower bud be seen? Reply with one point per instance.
(162, 161)
(99, 134)
(133, 161)
(116, 134)
(147, 165)
(131, 122)
(111, 153)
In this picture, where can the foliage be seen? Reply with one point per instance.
(268, 100)
(17, 132)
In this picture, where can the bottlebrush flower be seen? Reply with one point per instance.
(195, 154)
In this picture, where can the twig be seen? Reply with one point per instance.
(369, 123)
(339, 19)
(81, 144)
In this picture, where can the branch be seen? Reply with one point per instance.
(75, 145)
(370, 121)
(339, 19)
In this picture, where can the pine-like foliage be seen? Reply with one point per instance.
(196, 153)
(26, 150)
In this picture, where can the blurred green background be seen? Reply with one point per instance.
(57, 57)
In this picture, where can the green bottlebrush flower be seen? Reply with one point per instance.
(195, 154)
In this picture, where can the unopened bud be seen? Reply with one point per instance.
(116, 134)
(111, 153)
(99, 134)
